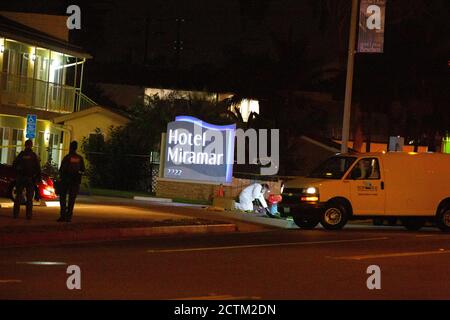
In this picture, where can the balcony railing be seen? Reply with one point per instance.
(84, 102)
(38, 94)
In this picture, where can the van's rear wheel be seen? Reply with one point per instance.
(443, 218)
(392, 222)
(335, 216)
(413, 224)
(378, 221)
(307, 223)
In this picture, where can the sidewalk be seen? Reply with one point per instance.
(246, 222)
(99, 221)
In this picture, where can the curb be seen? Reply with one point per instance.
(61, 237)
(9, 204)
(152, 199)
(4, 205)
(248, 217)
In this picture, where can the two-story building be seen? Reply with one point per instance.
(41, 73)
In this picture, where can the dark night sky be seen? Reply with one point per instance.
(117, 32)
(265, 48)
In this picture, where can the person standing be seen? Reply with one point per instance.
(70, 172)
(28, 172)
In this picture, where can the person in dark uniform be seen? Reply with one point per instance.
(72, 167)
(28, 172)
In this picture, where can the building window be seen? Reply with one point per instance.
(246, 107)
(23, 72)
(12, 143)
(4, 146)
(16, 144)
(53, 148)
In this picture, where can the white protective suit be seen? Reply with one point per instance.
(248, 195)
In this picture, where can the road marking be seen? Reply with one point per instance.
(42, 263)
(265, 245)
(393, 255)
(428, 235)
(10, 281)
(223, 297)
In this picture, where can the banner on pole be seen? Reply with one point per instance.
(371, 26)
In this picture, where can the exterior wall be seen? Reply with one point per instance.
(2, 44)
(50, 24)
(128, 95)
(166, 188)
(50, 142)
(379, 147)
(83, 126)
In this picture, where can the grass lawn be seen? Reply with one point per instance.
(131, 194)
(113, 193)
(189, 201)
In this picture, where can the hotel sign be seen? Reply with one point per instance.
(371, 26)
(199, 151)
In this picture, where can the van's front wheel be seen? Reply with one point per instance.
(443, 218)
(335, 216)
(305, 222)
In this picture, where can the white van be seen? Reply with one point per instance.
(414, 187)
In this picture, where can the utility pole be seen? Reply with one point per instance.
(178, 46)
(147, 27)
(349, 80)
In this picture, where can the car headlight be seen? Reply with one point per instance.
(310, 190)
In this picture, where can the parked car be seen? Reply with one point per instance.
(45, 189)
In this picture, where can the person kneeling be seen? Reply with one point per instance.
(251, 193)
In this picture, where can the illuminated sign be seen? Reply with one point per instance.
(199, 151)
(446, 145)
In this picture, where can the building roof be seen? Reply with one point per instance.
(326, 143)
(399, 154)
(20, 32)
(90, 111)
(14, 110)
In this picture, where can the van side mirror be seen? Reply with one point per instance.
(355, 174)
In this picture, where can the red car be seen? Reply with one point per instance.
(45, 189)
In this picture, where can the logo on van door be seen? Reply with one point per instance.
(367, 186)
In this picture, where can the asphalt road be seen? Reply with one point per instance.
(271, 264)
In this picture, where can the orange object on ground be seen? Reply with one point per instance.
(220, 192)
(274, 198)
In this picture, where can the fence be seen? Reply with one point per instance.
(122, 171)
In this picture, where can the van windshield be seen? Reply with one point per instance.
(333, 168)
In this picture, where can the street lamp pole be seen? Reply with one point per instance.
(349, 80)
